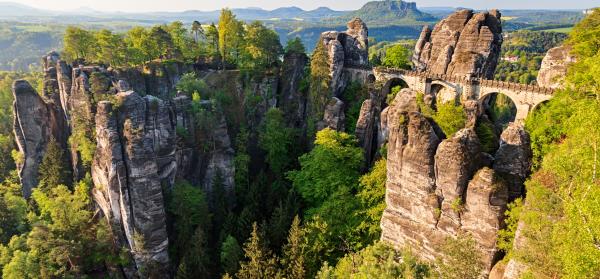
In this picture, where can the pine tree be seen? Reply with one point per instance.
(53, 170)
(260, 262)
(293, 253)
(231, 254)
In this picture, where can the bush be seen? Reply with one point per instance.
(450, 117)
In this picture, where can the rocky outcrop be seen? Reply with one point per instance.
(135, 157)
(554, 66)
(463, 44)
(333, 117)
(292, 100)
(36, 120)
(440, 188)
(513, 158)
(346, 49)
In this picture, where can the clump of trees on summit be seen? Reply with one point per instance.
(231, 42)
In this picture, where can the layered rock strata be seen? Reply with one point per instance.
(439, 188)
(463, 44)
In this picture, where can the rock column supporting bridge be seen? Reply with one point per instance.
(445, 88)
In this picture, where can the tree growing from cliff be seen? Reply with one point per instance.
(294, 45)
(54, 168)
(319, 81)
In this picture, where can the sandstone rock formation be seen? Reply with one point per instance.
(333, 117)
(346, 49)
(291, 99)
(513, 158)
(135, 156)
(463, 44)
(554, 66)
(444, 188)
(36, 120)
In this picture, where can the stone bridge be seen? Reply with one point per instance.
(446, 88)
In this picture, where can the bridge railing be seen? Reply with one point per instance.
(466, 80)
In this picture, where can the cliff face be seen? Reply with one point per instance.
(439, 188)
(463, 44)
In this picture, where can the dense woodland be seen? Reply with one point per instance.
(309, 210)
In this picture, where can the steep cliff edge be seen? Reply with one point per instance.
(462, 44)
(444, 188)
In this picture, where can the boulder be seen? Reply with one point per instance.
(513, 158)
(333, 117)
(554, 66)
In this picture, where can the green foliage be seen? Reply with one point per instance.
(397, 56)
(354, 95)
(393, 92)
(294, 45)
(461, 259)
(190, 84)
(262, 47)
(371, 194)
(506, 236)
(78, 43)
(187, 204)
(277, 140)
(560, 223)
(293, 252)
(13, 215)
(65, 241)
(260, 262)
(379, 260)
(54, 169)
(529, 48)
(450, 117)
(319, 81)
(231, 36)
(487, 136)
(231, 254)
(333, 164)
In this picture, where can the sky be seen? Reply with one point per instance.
(181, 5)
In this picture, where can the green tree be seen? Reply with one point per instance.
(231, 36)
(262, 47)
(371, 194)
(294, 45)
(111, 48)
(397, 56)
(54, 168)
(187, 204)
(277, 140)
(379, 260)
(333, 164)
(450, 117)
(293, 253)
(231, 255)
(78, 43)
(319, 82)
(259, 261)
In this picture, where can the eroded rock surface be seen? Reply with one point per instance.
(554, 66)
(440, 188)
(513, 158)
(135, 156)
(333, 117)
(462, 44)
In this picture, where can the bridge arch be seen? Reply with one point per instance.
(443, 92)
(500, 108)
(393, 82)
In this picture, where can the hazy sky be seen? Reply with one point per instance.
(179, 5)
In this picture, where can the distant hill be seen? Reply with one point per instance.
(389, 12)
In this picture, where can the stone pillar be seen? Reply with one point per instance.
(522, 111)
